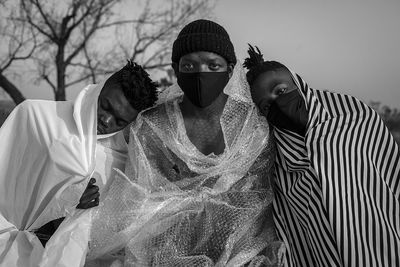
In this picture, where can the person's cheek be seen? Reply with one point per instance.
(273, 97)
(99, 112)
(256, 96)
(265, 112)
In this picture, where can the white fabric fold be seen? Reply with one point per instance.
(46, 146)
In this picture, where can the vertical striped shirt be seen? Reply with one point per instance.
(338, 187)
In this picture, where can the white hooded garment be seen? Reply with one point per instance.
(46, 146)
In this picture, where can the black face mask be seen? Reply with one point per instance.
(289, 112)
(202, 88)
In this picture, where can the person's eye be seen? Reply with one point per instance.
(281, 91)
(214, 66)
(187, 66)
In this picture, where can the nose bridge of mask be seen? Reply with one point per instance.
(289, 112)
(197, 88)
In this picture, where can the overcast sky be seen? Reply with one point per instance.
(343, 46)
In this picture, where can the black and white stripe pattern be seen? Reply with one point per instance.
(338, 188)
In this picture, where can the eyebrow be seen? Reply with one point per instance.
(215, 60)
(272, 85)
(268, 86)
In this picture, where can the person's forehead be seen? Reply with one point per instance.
(273, 77)
(266, 78)
(119, 102)
(202, 55)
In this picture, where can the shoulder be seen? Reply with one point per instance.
(153, 117)
(37, 104)
(36, 120)
(337, 104)
(44, 114)
(30, 104)
(45, 108)
(157, 112)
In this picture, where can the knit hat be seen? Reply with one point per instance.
(203, 35)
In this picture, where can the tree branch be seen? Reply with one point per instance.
(68, 31)
(87, 36)
(89, 62)
(67, 48)
(47, 79)
(11, 89)
(157, 66)
(13, 53)
(81, 79)
(34, 25)
(45, 17)
(121, 22)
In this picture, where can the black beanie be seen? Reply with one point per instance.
(203, 35)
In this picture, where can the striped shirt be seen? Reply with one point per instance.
(337, 200)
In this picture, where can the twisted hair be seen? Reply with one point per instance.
(138, 88)
(256, 65)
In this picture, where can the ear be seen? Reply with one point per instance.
(175, 67)
(231, 66)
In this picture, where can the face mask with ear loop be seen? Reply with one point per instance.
(202, 88)
(289, 112)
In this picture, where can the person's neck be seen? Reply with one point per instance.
(212, 111)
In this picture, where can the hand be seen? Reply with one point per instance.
(46, 231)
(89, 198)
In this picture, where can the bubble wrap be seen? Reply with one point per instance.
(175, 206)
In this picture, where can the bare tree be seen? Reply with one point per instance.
(59, 25)
(147, 38)
(18, 43)
(79, 40)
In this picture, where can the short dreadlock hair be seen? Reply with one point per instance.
(256, 65)
(138, 88)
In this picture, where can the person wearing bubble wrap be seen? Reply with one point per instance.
(197, 189)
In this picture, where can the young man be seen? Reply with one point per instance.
(197, 190)
(51, 149)
(337, 172)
